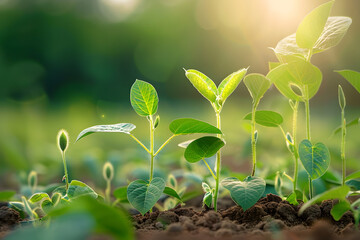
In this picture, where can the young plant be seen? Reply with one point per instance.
(108, 174)
(217, 97)
(63, 143)
(342, 104)
(141, 194)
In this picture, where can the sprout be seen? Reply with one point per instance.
(108, 171)
(63, 140)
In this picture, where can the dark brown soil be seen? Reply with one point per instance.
(270, 218)
(9, 218)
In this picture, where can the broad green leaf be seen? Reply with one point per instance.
(61, 190)
(203, 84)
(354, 122)
(78, 189)
(335, 29)
(353, 77)
(353, 175)
(47, 205)
(335, 193)
(37, 197)
(315, 158)
(266, 118)
(339, 209)
(273, 65)
(287, 47)
(294, 196)
(185, 126)
(18, 206)
(297, 80)
(313, 25)
(245, 193)
(143, 98)
(120, 127)
(208, 199)
(172, 193)
(121, 194)
(229, 84)
(257, 85)
(143, 195)
(354, 184)
(56, 198)
(6, 195)
(202, 148)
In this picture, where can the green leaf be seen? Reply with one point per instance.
(18, 206)
(183, 126)
(172, 193)
(229, 84)
(313, 25)
(335, 193)
(143, 98)
(339, 209)
(143, 195)
(353, 175)
(61, 190)
(47, 205)
(315, 158)
(202, 148)
(6, 195)
(352, 123)
(37, 197)
(121, 194)
(208, 199)
(297, 80)
(120, 127)
(266, 118)
(341, 96)
(353, 78)
(78, 189)
(257, 85)
(273, 65)
(206, 188)
(203, 84)
(245, 193)
(56, 198)
(287, 48)
(354, 184)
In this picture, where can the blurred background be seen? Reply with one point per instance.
(71, 63)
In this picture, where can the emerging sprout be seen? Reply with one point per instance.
(342, 100)
(63, 140)
(108, 171)
(32, 180)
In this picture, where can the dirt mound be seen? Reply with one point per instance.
(9, 218)
(269, 217)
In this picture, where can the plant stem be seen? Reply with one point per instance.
(65, 170)
(108, 190)
(139, 142)
(152, 130)
(343, 135)
(164, 144)
(310, 187)
(253, 142)
(307, 112)
(296, 154)
(212, 173)
(218, 163)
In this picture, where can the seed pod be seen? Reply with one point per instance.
(63, 140)
(32, 180)
(341, 96)
(108, 171)
(157, 121)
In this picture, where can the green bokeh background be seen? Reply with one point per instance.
(70, 64)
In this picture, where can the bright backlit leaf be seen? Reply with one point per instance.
(257, 85)
(354, 122)
(184, 126)
(202, 148)
(339, 209)
(78, 189)
(119, 127)
(143, 195)
(353, 78)
(245, 193)
(144, 98)
(172, 193)
(266, 118)
(203, 84)
(313, 25)
(315, 158)
(353, 175)
(37, 197)
(229, 84)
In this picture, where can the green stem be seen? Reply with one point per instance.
(152, 130)
(65, 170)
(139, 142)
(212, 173)
(108, 190)
(307, 112)
(164, 144)
(253, 142)
(310, 188)
(218, 163)
(343, 135)
(296, 154)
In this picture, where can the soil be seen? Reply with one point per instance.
(9, 218)
(269, 218)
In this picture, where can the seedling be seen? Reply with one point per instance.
(63, 143)
(217, 97)
(108, 174)
(33, 181)
(143, 195)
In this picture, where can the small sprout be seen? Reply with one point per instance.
(63, 140)
(206, 188)
(108, 171)
(157, 121)
(341, 95)
(172, 181)
(33, 181)
(290, 142)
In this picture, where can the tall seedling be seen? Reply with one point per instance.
(142, 194)
(299, 80)
(217, 97)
